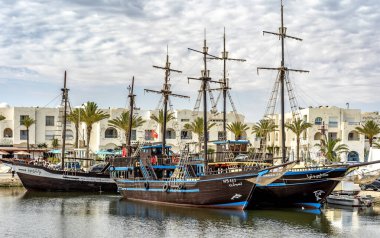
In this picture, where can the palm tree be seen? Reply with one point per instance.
(122, 122)
(369, 129)
(160, 118)
(27, 122)
(196, 127)
(2, 117)
(238, 128)
(262, 128)
(90, 114)
(297, 127)
(74, 117)
(376, 145)
(331, 149)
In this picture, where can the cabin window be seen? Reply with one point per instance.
(8, 133)
(23, 134)
(318, 121)
(110, 133)
(49, 121)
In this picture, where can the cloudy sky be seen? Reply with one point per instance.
(103, 43)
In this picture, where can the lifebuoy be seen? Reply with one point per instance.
(166, 187)
(146, 185)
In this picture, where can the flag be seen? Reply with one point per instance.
(154, 134)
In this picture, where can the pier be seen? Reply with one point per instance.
(6, 180)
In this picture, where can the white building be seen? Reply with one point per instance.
(338, 122)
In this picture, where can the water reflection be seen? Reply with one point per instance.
(36, 214)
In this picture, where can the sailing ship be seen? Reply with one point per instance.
(307, 186)
(192, 181)
(42, 178)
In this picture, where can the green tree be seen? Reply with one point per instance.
(90, 114)
(238, 128)
(27, 122)
(262, 129)
(2, 117)
(122, 122)
(160, 118)
(332, 149)
(196, 127)
(74, 117)
(298, 126)
(370, 129)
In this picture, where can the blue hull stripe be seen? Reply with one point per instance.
(292, 184)
(161, 190)
(309, 204)
(232, 204)
(289, 173)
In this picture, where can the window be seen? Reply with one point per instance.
(318, 121)
(333, 122)
(333, 135)
(150, 134)
(110, 133)
(318, 136)
(49, 121)
(69, 135)
(186, 135)
(221, 135)
(185, 120)
(22, 117)
(133, 135)
(353, 135)
(8, 133)
(170, 134)
(23, 134)
(49, 135)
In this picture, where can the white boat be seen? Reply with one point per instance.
(350, 200)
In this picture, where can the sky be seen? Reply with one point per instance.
(104, 43)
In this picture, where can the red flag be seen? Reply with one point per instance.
(124, 152)
(154, 134)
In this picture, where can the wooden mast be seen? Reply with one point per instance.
(131, 103)
(205, 78)
(166, 92)
(64, 99)
(282, 70)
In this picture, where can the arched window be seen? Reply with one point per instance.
(186, 135)
(318, 121)
(8, 133)
(318, 136)
(353, 156)
(170, 134)
(353, 135)
(110, 133)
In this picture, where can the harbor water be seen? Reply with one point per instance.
(36, 214)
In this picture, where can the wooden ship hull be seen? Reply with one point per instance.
(298, 188)
(227, 191)
(39, 178)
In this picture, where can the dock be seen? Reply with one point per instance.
(6, 180)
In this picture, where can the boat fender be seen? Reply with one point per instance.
(146, 185)
(166, 187)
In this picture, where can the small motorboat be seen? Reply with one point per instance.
(351, 199)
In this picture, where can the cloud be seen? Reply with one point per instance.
(103, 43)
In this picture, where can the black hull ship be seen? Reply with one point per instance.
(40, 178)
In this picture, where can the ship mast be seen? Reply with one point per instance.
(282, 76)
(205, 78)
(131, 103)
(64, 99)
(165, 92)
(225, 86)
